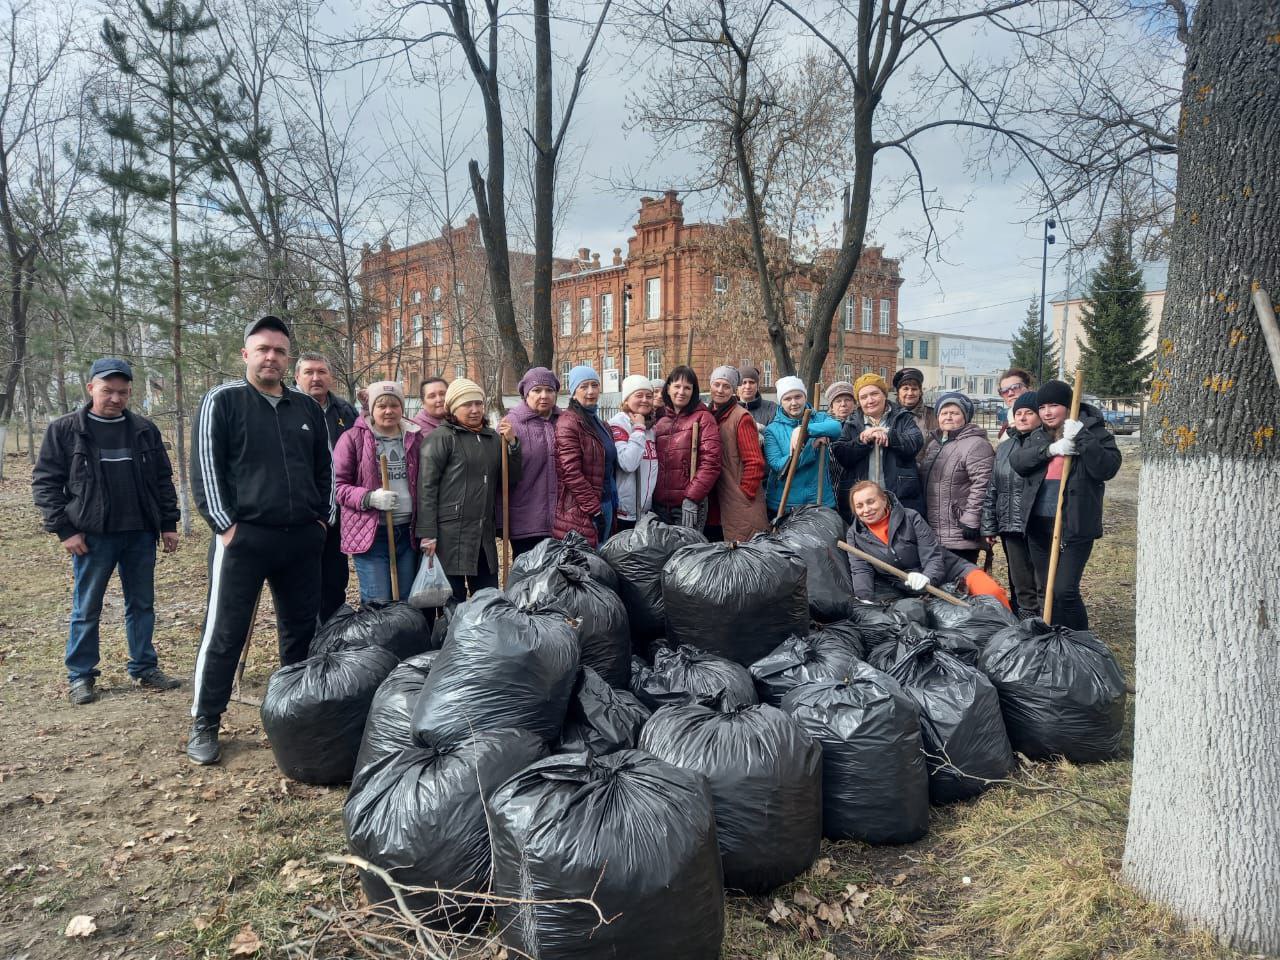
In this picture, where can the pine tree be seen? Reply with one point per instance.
(1025, 352)
(1114, 323)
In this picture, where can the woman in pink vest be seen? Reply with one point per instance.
(737, 504)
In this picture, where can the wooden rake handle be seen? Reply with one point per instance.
(893, 571)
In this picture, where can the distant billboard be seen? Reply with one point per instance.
(975, 356)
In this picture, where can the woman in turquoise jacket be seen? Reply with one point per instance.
(779, 437)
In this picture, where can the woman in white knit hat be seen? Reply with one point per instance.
(782, 442)
(637, 472)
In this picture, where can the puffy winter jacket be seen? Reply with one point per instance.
(777, 453)
(673, 433)
(637, 466)
(356, 469)
(1004, 508)
(956, 473)
(533, 499)
(1097, 461)
(581, 460)
(69, 488)
(458, 478)
(927, 420)
(762, 411)
(913, 547)
(898, 460)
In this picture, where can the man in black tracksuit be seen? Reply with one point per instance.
(263, 480)
(313, 377)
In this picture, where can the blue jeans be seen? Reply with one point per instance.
(133, 554)
(373, 567)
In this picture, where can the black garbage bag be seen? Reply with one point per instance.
(420, 816)
(980, 621)
(501, 666)
(825, 653)
(766, 784)
(812, 532)
(1061, 691)
(877, 622)
(628, 831)
(954, 642)
(738, 600)
(912, 610)
(388, 729)
(601, 719)
(573, 549)
(440, 626)
(686, 674)
(604, 636)
(875, 785)
(392, 624)
(638, 556)
(960, 723)
(314, 712)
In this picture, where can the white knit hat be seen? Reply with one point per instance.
(788, 384)
(633, 383)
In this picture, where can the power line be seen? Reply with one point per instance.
(955, 313)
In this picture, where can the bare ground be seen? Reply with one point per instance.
(106, 818)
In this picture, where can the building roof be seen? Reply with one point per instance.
(1155, 277)
(954, 336)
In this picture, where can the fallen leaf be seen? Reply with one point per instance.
(805, 900)
(899, 880)
(822, 868)
(245, 943)
(15, 870)
(200, 923)
(779, 912)
(80, 926)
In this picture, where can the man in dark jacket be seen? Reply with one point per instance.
(262, 475)
(105, 486)
(762, 411)
(313, 376)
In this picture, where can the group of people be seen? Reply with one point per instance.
(292, 482)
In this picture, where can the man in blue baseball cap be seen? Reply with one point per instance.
(108, 515)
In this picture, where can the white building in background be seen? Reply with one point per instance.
(951, 361)
(1066, 310)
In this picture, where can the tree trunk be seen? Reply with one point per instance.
(175, 256)
(544, 187)
(1204, 833)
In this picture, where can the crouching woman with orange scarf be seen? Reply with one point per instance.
(898, 535)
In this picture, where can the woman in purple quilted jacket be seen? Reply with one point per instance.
(533, 500)
(384, 432)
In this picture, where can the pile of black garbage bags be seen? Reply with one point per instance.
(626, 733)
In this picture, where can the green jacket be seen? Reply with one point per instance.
(459, 474)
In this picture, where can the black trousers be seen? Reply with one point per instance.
(1026, 590)
(285, 558)
(970, 555)
(335, 573)
(521, 545)
(1068, 604)
(464, 586)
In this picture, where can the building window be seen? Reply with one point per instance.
(459, 289)
(908, 348)
(416, 296)
(566, 318)
(720, 285)
(804, 306)
(866, 314)
(397, 330)
(866, 369)
(955, 383)
(850, 312)
(377, 337)
(606, 312)
(652, 298)
(924, 349)
(767, 374)
(437, 329)
(846, 371)
(626, 365)
(608, 362)
(436, 293)
(884, 373)
(971, 385)
(395, 301)
(417, 329)
(584, 313)
(565, 367)
(884, 317)
(459, 370)
(653, 363)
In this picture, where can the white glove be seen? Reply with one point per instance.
(1070, 428)
(917, 581)
(1063, 447)
(382, 499)
(689, 513)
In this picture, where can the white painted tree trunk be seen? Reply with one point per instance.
(1204, 819)
(1204, 816)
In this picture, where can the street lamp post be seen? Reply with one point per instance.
(1044, 268)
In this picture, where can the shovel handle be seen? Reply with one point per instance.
(893, 571)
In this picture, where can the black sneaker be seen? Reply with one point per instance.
(156, 679)
(82, 691)
(202, 742)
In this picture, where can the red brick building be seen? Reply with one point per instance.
(431, 314)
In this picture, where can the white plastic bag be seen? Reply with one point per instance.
(430, 587)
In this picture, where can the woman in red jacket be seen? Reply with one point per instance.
(684, 486)
(586, 459)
